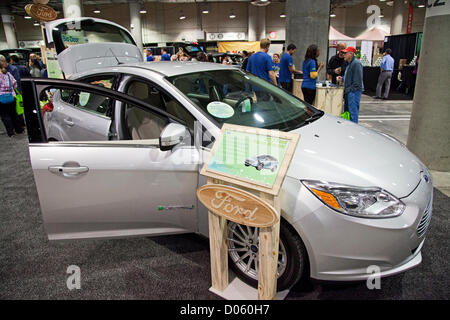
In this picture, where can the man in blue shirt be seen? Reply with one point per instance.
(387, 66)
(353, 83)
(287, 68)
(164, 55)
(260, 63)
(149, 55)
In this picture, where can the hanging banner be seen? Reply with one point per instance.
(366, 53)
(410, 19)
(237, 47)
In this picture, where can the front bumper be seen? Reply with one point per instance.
(341, 247)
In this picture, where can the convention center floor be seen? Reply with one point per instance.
(178, 267)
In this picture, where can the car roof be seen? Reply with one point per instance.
(174, 68)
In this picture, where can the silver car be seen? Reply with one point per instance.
(120, 154)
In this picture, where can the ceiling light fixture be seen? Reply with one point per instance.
(36, 24)
(96, 10)
(182, 16)
(142, 10)
(421, 5)
(27, 17)
(332, 14)
(232, 15)
(282, 15)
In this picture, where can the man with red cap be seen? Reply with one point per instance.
(353, 83)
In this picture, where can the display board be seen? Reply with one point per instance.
(251, 157)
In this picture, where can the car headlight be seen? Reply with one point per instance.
(356, 201)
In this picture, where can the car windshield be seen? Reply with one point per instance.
(236, 97)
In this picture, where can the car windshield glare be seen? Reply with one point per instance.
(236, 97)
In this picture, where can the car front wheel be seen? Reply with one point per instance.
(243, 242)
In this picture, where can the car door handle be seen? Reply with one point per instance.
(69, 122)
(68, 170)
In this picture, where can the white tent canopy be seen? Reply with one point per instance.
(336, 35)
(374, 34)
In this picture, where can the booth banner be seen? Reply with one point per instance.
(437, 8)
(31, 44)
(237, 47)
(227, 36)
(366, 50)
(351, 43)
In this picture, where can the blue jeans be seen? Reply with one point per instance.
(351, 104)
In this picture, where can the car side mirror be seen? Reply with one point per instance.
(174, 134)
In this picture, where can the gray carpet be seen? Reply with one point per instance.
(169, 267)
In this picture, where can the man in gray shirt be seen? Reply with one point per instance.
(353, 83)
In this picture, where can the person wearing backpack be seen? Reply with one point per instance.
(8, 112)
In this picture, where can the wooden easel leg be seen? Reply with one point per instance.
(268, 256)
(218, 245)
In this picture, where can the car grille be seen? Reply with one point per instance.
(425, 221)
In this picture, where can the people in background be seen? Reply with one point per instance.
(23, 72)
(353, 82)
(245, 57)
(8, 114)
(260, 63)
(150, 56)
(276, 65)
(287, 68)
(201, 56)
(12, 70)
(35, 68)
(184, 57)
(336, 65)
(164, 55)
(386, 68)
(34, 56)
(311, 71)
(227, 60)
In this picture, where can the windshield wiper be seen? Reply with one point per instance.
(313, 118)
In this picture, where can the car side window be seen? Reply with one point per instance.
(92, 102)
(143, 124)
(157, 98)
(66, 95)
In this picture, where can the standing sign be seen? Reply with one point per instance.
(255, 160)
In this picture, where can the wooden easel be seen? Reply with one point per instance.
(268, 236)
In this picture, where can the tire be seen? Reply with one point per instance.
(259, 167)
(292, 251)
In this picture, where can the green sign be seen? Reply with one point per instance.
(250, 156)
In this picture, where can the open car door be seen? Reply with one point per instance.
(115, 188)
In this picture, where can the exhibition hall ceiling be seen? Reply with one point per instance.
(17, 6)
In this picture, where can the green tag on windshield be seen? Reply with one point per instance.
(246, 106)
